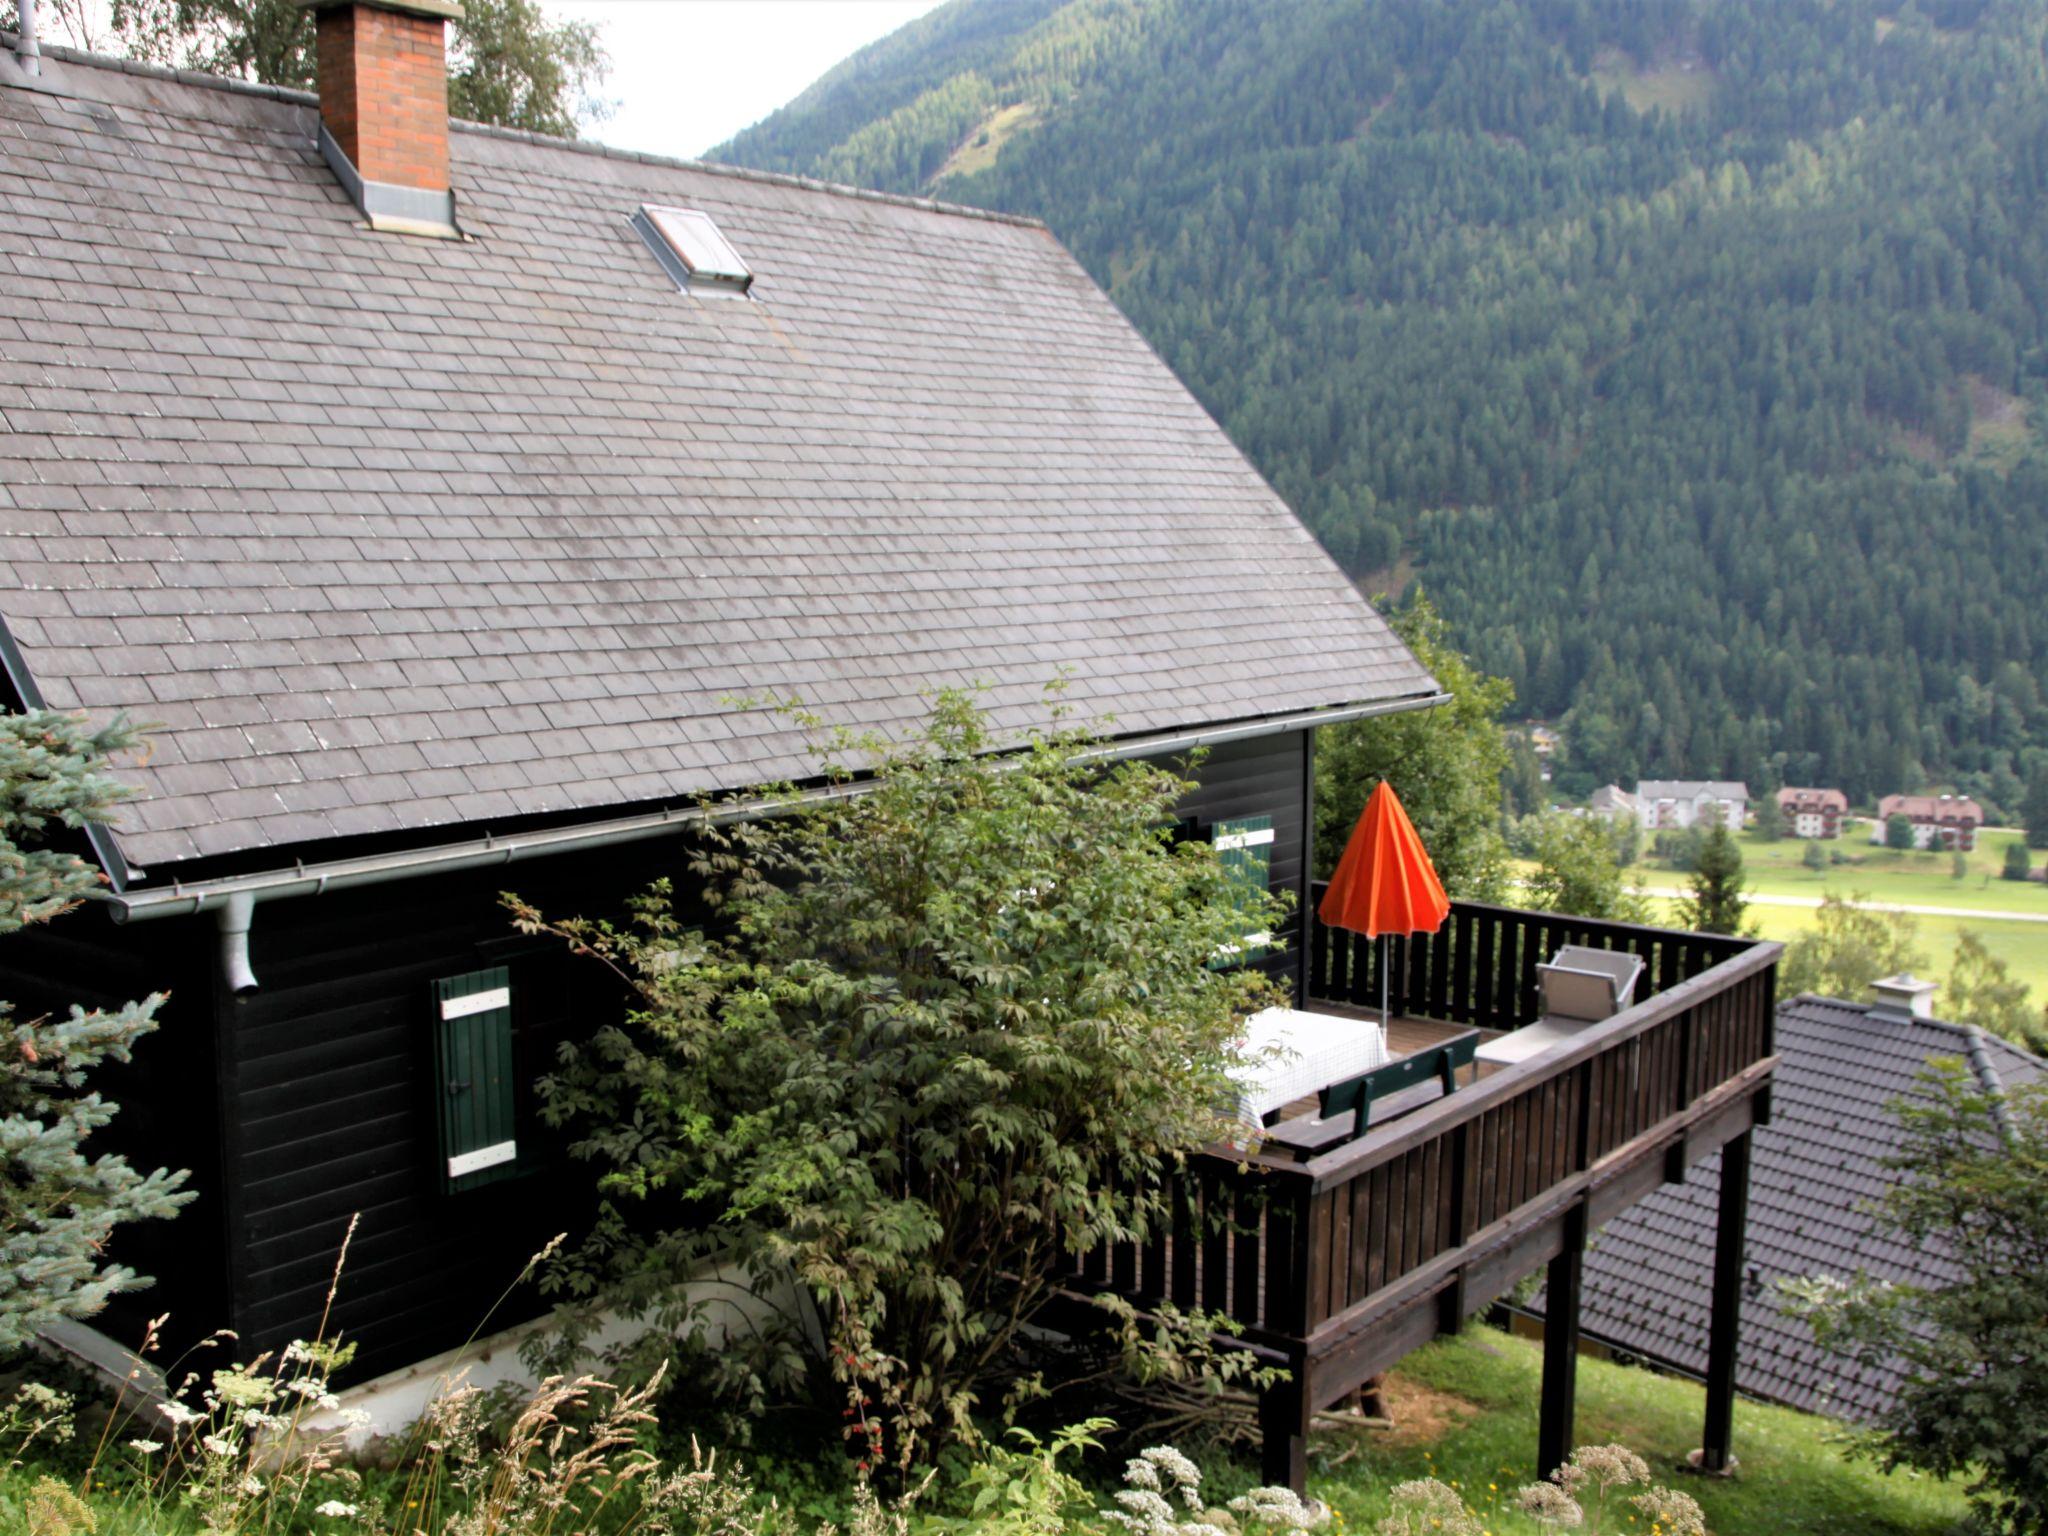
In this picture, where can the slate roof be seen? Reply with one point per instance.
(392, 534)
(1648, 1273)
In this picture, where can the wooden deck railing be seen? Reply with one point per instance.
(1342, 1263)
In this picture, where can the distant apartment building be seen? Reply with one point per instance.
(1939, 821)
(1663, 805)
(1812, 812)
(1612, 801)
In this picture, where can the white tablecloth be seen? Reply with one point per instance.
(1313, 1050)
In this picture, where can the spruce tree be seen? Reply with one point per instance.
(2034, 809)
(59, 1205)
(1715, 904)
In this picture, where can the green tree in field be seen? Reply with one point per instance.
(944, 1037)
(2034, 808)
(1444, 763)
(1849, 947)
(2017, 863)
(508, 62)
(1981, 989)
(1579, 869)
(1770, 821)
(1714, 902)
(1812, 857)
(1523, 781)
(1971, 1180)
(1898, 832)
(58, 1204)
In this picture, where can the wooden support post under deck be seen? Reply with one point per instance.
(1724, 1326)
(1284, 1413)
(1561, 1346)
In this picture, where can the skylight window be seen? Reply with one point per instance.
(691, 250)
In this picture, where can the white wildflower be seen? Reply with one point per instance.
(145, 1447)
(1550, 1504)
(1279, 1509)
(1611, 1466)
(334, 1509)
(178, 1414)
(219, 1445)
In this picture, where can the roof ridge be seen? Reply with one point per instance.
(291, 97)
(1988, 1080)
(746, 173)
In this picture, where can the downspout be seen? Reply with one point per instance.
(25, 43)
(236, 914)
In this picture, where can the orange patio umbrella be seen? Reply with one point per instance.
(1385, 883)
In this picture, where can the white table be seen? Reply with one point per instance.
(1530, 1040)
(1293, 1053)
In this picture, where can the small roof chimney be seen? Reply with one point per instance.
(1903, 997)
(383, 76)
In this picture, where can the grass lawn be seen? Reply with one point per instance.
(1909, 879)
(1906, 879)
(1465, 1411)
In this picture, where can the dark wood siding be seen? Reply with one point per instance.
(329, 1071)
(1266, 776)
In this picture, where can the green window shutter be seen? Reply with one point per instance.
(474, 1078)
(1244, 847)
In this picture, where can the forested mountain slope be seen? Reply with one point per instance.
(1691, 353)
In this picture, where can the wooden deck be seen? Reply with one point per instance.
(1337, 1266)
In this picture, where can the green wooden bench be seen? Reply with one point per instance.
(1348, 1109)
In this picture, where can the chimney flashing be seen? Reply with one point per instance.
(387, 207)
(383, 95)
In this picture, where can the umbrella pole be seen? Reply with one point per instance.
(1383, 986)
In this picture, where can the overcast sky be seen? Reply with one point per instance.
(688, 74)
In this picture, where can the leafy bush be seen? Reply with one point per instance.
(1849, 947)
(1579, 868)
(939, 1042)
(1981, 989)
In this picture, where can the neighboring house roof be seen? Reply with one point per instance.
(1959, 808)
(1812, 800)
(1648, 1276)
(1611, 797)
(389, 534)
(1691, 789)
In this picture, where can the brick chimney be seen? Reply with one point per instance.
(383, 76)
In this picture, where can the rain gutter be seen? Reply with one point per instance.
(234, 898)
